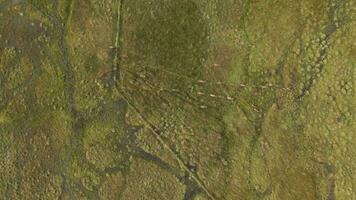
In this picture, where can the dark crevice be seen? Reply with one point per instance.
(330, 29)
(192, 189)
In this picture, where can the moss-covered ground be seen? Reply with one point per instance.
(177, 99)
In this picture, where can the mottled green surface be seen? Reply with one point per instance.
(177, 99)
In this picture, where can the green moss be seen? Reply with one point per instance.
(174, 35)
(214, 99)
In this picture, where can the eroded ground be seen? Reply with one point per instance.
(177, 99)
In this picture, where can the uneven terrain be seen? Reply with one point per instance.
(177, 99)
